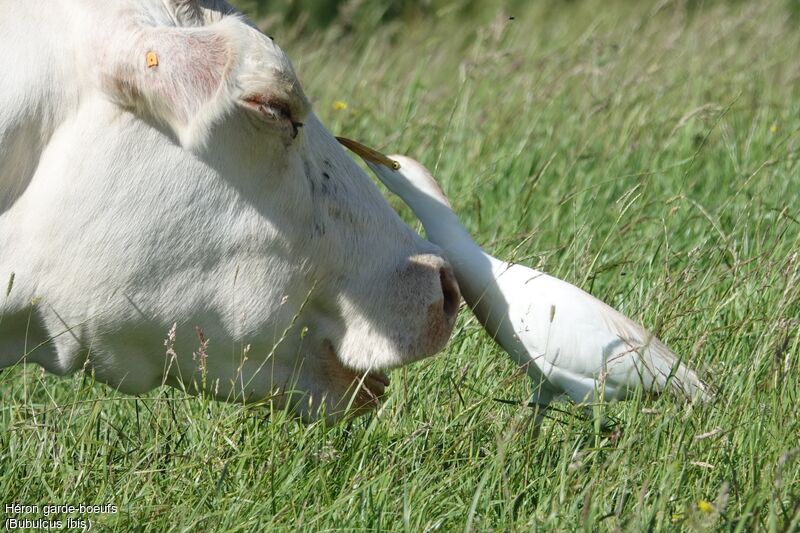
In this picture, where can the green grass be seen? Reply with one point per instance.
(647, 154)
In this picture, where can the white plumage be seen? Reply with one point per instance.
(568, 341)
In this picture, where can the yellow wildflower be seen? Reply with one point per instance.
(773, 128)
(706, 507)
(338, 105)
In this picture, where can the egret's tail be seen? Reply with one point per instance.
(671, 373)
(685, 381)
(658, 366)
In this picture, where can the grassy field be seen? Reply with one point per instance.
(647, 152)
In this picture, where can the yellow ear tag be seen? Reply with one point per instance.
(152, 59)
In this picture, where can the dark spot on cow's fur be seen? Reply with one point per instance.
(338, 214)
(326, 175)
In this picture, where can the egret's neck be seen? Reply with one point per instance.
(472, 265)
(477, 272)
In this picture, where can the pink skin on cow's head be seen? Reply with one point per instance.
(177, 174)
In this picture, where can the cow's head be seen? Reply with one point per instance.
(195, 185)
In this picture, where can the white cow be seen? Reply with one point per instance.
(160, 164)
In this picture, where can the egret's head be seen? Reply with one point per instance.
(402, 175)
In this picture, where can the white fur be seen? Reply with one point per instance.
(132, 198)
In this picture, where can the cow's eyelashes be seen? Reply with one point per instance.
(273, 110)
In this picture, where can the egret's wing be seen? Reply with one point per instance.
(539, 319)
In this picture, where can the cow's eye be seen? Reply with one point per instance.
(274, 111)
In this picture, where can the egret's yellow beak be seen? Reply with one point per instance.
(368, 153)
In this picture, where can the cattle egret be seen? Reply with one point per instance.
(569, 342)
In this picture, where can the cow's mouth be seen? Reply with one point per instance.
(362, 391)
(375, 383)
(365, 391)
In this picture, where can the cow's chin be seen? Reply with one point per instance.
(344, 392)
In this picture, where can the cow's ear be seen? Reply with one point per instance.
(185, 12)
(173, 75)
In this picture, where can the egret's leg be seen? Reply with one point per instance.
(539, 414)
(540, 403)
(606, 425)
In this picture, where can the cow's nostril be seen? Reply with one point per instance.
(450, 291)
